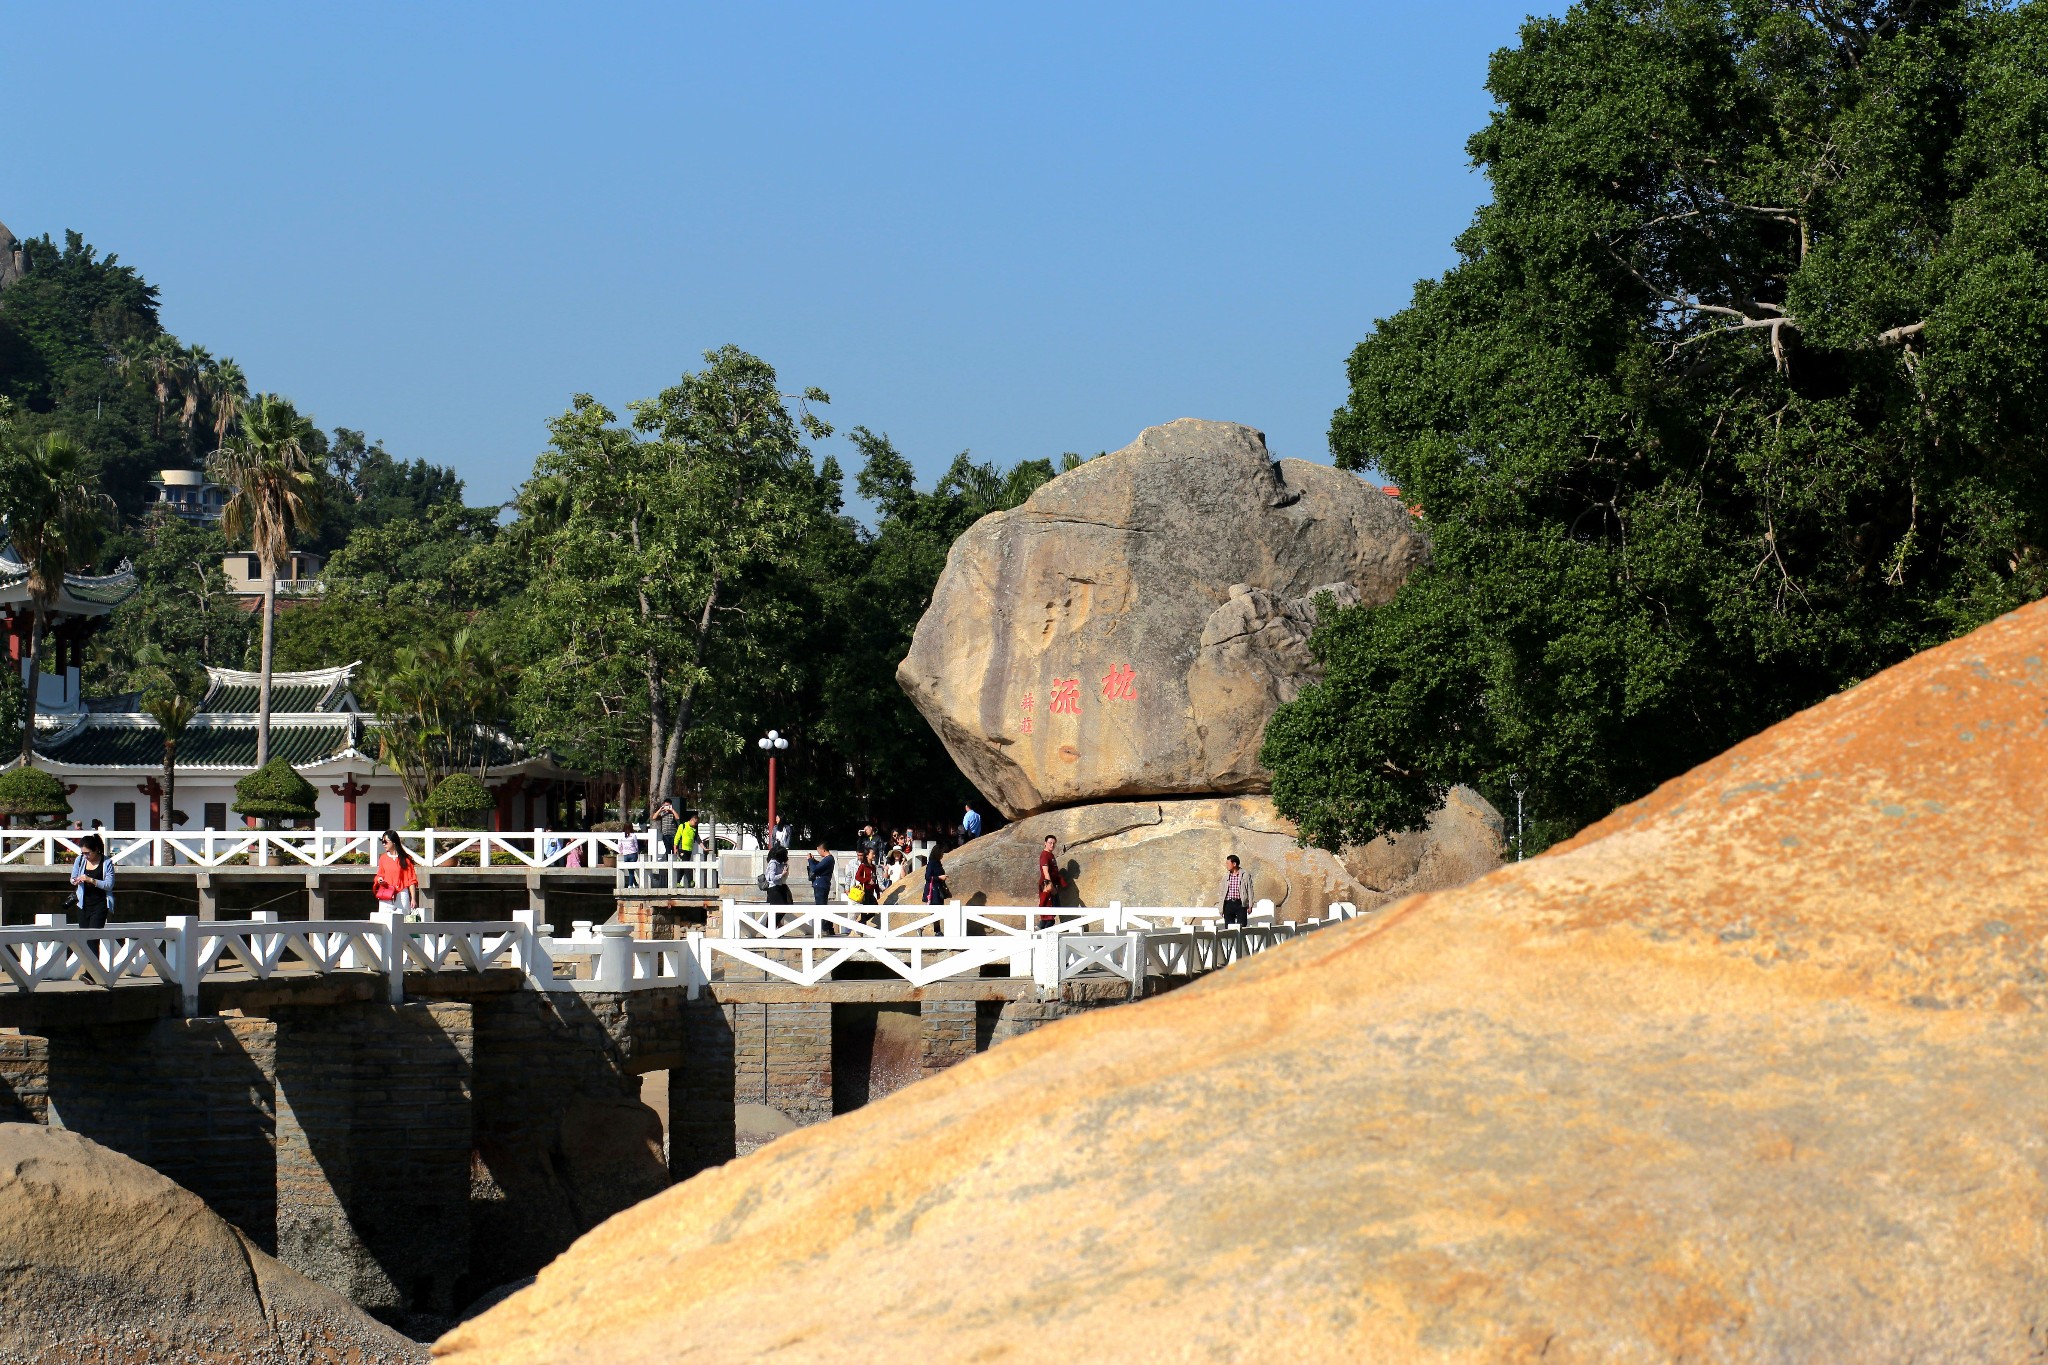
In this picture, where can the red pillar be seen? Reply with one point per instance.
(348, 791)
(154, 790)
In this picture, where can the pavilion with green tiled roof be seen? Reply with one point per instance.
(111, 753)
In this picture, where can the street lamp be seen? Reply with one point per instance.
(773, 744)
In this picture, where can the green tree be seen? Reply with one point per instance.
(181, 605)
(1733, 398)
(665, 542)
(171, 691)
(55, 521)
(272, 492)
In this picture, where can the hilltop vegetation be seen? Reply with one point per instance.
(1733, 399)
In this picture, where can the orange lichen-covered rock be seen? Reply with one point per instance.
(1751, 1070)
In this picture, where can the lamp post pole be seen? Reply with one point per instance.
(774, 744)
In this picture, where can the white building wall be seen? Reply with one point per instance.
(97, 793)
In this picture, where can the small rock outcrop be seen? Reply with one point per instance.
(1174, 851)
(107, 1261)
(1128, 630)
(1749, 1071)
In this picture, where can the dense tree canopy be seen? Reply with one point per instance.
(1735, 396)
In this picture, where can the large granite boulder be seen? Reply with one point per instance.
(1749, 1071)
(1130, 628)
(107, 1261)
(1161, 853)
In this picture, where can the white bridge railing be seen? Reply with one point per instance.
(805, 946)
(921, 945)
(439, 850)
(184, 950)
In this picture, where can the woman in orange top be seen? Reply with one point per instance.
(398, 881)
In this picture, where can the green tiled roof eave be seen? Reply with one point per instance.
(108, 746)
(242, 699)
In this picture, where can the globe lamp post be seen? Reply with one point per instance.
(772, 744)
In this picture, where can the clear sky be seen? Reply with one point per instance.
(1016, 229)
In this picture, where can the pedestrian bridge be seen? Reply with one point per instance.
(803, 948)
(412, 1112)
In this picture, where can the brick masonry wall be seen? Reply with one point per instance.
(24, 1078)
(373, 1150)
(562, 1140)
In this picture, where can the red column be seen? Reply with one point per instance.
(348, 791)
(154, 790)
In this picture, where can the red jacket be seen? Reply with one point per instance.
(393, 877)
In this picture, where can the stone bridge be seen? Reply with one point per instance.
(413, 1139)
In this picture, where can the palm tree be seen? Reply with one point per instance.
(195, 379)
(161, 359)
(272, 492)
(55, 521)
(228, 389)
(167, 699)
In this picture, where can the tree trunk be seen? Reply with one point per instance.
(269, 642)
(35, 670)
(662, 777)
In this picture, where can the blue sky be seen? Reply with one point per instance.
(1020, 230)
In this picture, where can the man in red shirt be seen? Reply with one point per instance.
(1050, 878)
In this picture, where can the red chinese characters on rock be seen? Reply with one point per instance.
(1120, 683)
(1066, 697)
(1029, 705)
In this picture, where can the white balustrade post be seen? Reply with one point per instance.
(394, 933)
(1045, 961)
(1136, 940)
(730, 924)
(614, 957)
(1113, 918)
(697, 963)
(955, 920)
(535, 952)
(184, 954)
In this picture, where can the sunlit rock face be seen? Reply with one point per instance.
(1129, 629)
(1749, 1071)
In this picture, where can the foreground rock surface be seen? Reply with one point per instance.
(107, 1261)
(1131, 627)
(1171, 853)
(1749, 1071)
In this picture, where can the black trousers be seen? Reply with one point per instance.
(93, 914)
(779, 895)
(1234, 913)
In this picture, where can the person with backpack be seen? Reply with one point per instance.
(687, 839)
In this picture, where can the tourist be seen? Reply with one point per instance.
(92, 882)
(819, 867)
(782, 834)
(970, 823)
(775, 876)
(686, 850)
(1237, 893)
(629, 853)
(396, 885)
(936, 891)
(898, 866)
(664, 840)
(1050, 879)
(864, 879)
(869, 841)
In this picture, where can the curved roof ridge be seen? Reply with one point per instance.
(307, 677)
